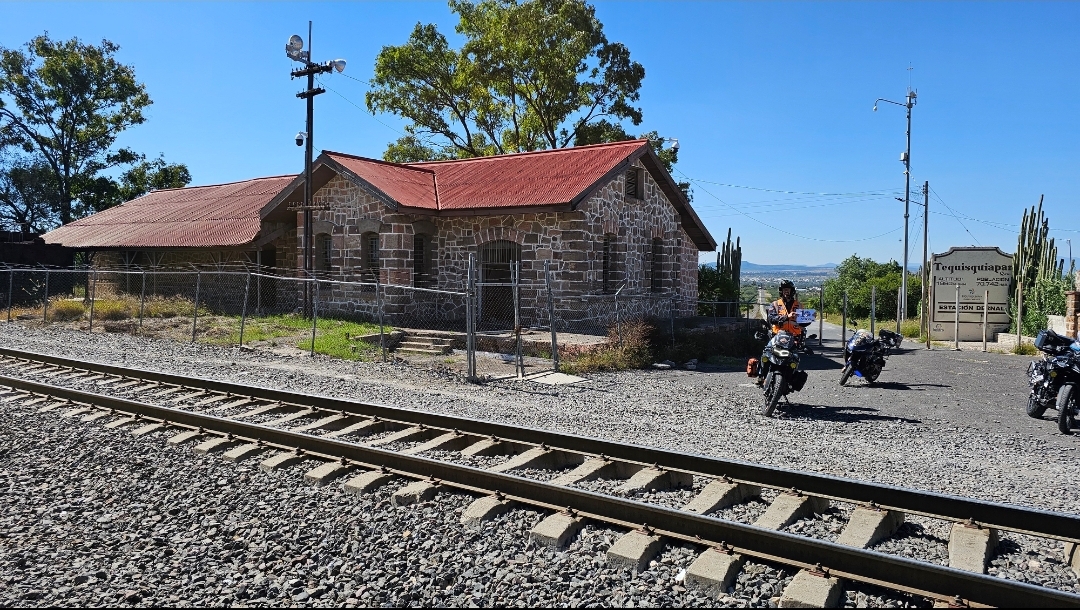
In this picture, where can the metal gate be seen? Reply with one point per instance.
(495, 290)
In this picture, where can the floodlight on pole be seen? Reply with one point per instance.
(905, 157)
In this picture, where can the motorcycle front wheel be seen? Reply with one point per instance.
(773, 393)
(846, 374)
(1066, 405)
(1035, 408)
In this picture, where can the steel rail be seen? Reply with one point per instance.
(1021, 519)
(872, 567)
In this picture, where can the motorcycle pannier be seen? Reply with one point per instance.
(752, 367)
(1049, 341)
(798, 380)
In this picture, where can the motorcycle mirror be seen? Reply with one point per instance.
(760, 336)
(812, 336)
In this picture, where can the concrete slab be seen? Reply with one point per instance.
(127, 384)
(721, 494)
(1072, 557)
(17, 397)
(487, 446)
(147, 429)
(184, 436)
(284, 419)
(483, 509)
(232, 405)
(657, 479)
(553, 378)
(868, 525)
(237, 454)
(218, 443)
(324, 473)
(77, 412)
(36, 401)
(123, 421)
(971, 546)
(556, 531)
(167, 392)
(363, 483)
(363, 428)
(281, 460)
(541, 458)
(714, 571)
(811, 590)
(95, 416)
(188, 396)
(451, 441)
(417, 491)
(56, 405)
(788, 508)
(598, 468)
(338, 421)
(634, 550)
(259, 410)
(212, 400)
(405, 436)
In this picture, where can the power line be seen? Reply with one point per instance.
(755, 188)
(778, 228)
(362, 109)
(942, 202)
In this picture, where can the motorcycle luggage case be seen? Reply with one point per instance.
(1050, 342)
(798, 380)
(753, 366)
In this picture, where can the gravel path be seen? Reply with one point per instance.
(955, 425)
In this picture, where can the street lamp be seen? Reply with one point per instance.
(294, 49)
(905, 157)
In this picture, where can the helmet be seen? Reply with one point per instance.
(787, 284)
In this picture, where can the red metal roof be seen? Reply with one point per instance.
(544, 177)
(407, 185)
(200, 216)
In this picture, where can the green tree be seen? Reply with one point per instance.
(858, 277)
(531, 75)
(63, 104)
(26, 195)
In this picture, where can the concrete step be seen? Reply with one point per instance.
(421, 350)
(422, 346)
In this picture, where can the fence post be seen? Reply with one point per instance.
(10, 285)
(821, 316)
(195, 312)
(1019, 312)
(618, 321)
(986, 304)
(470, 322)
(672, 317)
(93, 297)
(45, 312)
(843, 324)
(315, 316)
(551, 317)
(873, 308)
(258, 283)
(519, 361)
(243, 311)
(899, 309)
(142, 299)
(380, 301)
(956, 322)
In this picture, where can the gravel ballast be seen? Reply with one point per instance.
(956, 426)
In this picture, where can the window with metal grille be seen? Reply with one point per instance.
(656, 265)
(635, 183)
(323, 246)
(371, 252)
(607, 262)
(421, 262)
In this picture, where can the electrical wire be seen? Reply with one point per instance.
(362, 109)
(778, 229)
(942, 202)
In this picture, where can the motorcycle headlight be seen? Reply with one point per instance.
(781, 353)
(794, 365)
(764, 358)
(1053, 373)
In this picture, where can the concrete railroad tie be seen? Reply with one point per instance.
(971, 546)
(635, 550)
(556, 530)
(417, 491)
(483, 509)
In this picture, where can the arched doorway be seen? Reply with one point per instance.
(497, 261)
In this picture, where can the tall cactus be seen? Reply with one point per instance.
(1036, 255)
(729, 263)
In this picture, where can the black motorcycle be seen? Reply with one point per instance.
(865, 356)
(1047, 376)
(781, 364)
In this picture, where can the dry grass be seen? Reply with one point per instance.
(112, 310)
(633, 352)
(66, 310)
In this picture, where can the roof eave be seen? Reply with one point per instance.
(691, 222)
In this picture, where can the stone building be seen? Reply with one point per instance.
(602, 218)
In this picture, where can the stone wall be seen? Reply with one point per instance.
(571, 242)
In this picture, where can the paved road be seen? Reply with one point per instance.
(983, 390)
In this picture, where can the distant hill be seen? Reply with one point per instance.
(824, 268)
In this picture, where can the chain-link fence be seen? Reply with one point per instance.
(500, 327)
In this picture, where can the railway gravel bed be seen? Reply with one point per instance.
(708, 412)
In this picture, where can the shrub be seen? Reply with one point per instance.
(66, 310)
(632, 352)
(1024, 349)
(112, 309)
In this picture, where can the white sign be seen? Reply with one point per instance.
(978, 274)
(805, 316)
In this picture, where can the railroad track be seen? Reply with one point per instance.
(219, 416)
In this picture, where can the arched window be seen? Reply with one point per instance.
(656, 265)
(422, 267)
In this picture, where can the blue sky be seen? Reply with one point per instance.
(770, 96)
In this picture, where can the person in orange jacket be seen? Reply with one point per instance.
(782, 314)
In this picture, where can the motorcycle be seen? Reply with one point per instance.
(781, 362)
(865, 356)
(1046, 376)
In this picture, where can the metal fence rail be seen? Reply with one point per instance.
(496, 327)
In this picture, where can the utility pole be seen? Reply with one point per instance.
(909, 103)
(924, 323)
(294, 50)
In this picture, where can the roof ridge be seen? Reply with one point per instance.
(380, 161)
(546, 151)
(200, 186)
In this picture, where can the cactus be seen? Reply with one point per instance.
(729, 263)
(1037, 268)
